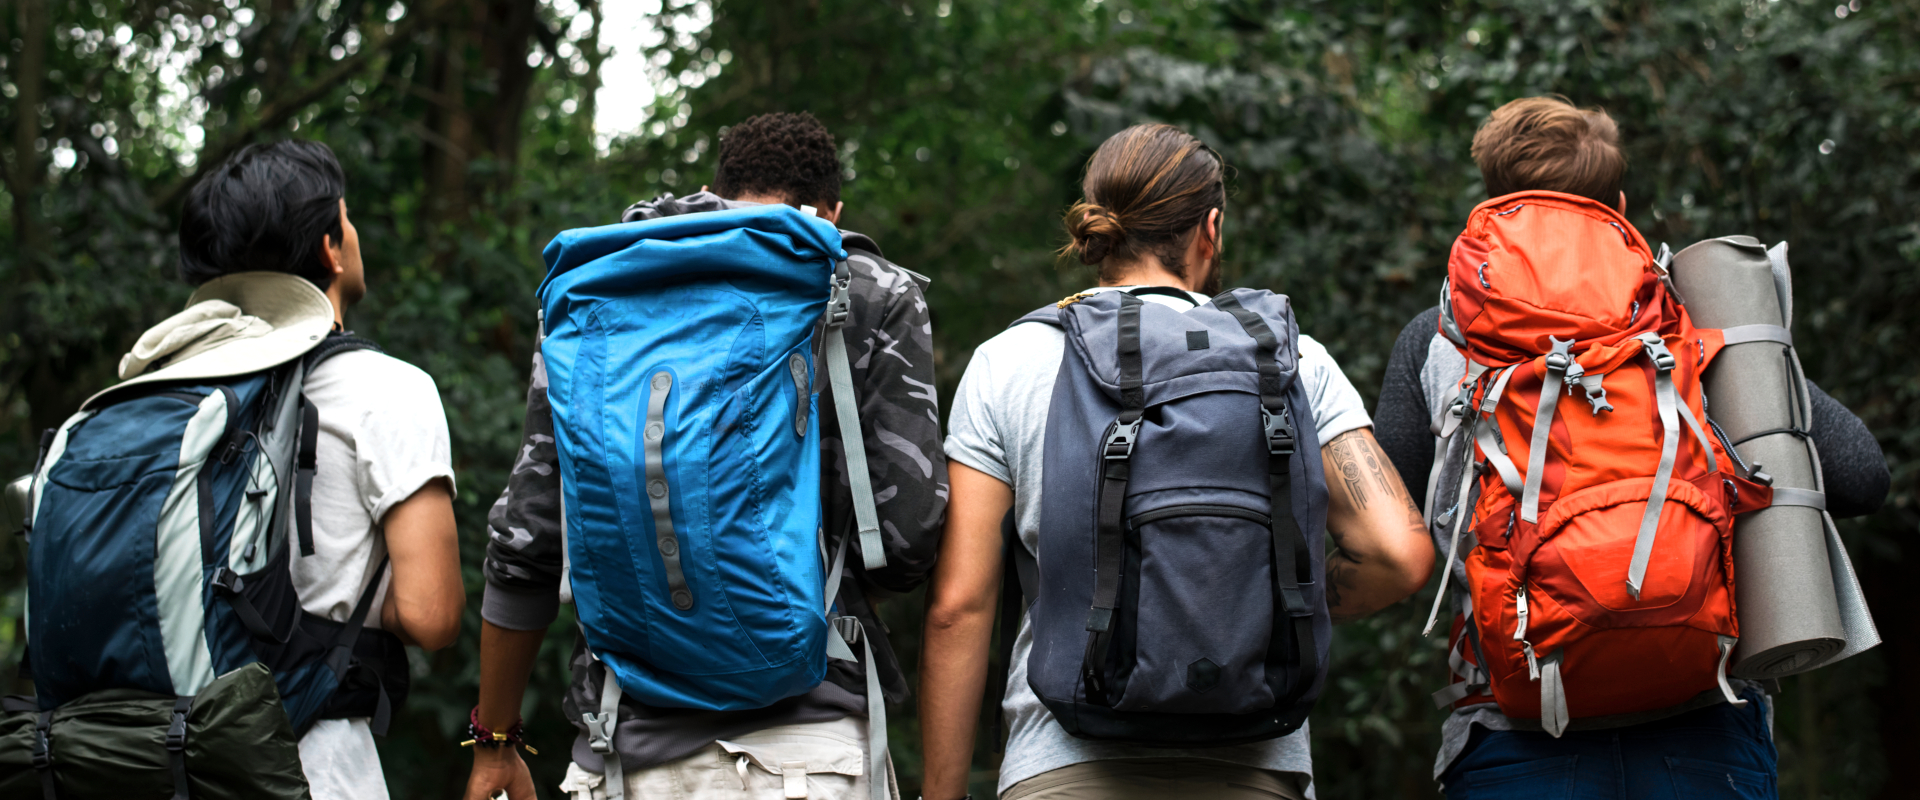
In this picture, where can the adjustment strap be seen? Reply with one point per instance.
(1807, 498)
(1461, 511)
(229, 584)
(1115, 453)
(43, 755)
(1668, 402)
(1492, 443)
(1742, 334)
(306, 460)
(1558, 362)
(601, 728)
(177, 746)
(846, 409)
(1726, 653)
(1553, 696)
(340, 654)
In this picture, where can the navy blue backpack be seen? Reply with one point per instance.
(1178, 598)
(160, 518)
(682, 355)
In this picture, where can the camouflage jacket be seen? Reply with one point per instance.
(890, 344)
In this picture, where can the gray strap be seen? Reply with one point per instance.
(1460, 514)
(1726, 652)
(836, 644)
(601, 728)
(1553, 696)
(1668, 402)
(1491, 444)
(1557, 363)
(1742, 334)
(846, 406)
(1454, 693)
(1785, 496)
(659, 494)
(843, 630)
(1700, 435)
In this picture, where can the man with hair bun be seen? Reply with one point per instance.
(1547, 144)
(788, 159)
(1150, 223)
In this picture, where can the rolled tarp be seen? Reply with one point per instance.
(1798, 601)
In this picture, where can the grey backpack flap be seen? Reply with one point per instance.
(1180, 601)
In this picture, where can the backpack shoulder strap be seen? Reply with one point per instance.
(307, 454)
(846, 406)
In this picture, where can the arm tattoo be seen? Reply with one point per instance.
(1346, 456)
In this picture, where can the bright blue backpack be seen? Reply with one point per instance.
(680, 356)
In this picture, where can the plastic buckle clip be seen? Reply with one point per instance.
(1120, 440)
(177, 732)
(227, 580)
(840, 304)
(1279, 429)
(599, 732)
(42, 749)
(849, 628)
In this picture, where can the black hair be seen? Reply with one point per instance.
(264, 210)
(791, 156)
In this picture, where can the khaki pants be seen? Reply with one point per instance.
(1159, 779)
(818, 761)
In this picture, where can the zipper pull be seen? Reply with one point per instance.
(1520, 607)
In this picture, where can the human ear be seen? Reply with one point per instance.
(1623, 203)
(833, 217)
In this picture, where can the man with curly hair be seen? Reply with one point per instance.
(815, 742)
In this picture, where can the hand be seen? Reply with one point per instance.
(497, 769)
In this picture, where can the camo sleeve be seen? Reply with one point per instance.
(890, 343)
(524, 551)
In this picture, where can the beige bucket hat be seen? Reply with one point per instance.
(233, 325)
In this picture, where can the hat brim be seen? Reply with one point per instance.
(300, 313)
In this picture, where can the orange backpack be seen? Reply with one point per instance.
(1600, 506)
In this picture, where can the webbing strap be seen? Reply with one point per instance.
(228, 584)
(1460, 513)
(42, 755)
(1553, 696)
(1808, 498)
(1557, 363)
(877, 777)
(1742, 334)
(177, 746)
(601, 728)
(1699, 435)
(306, 462)
(1726, 653)
(340, 654)
(836, 646)
(1290, 552)
(1668, 402)
(1492, 444)
(659, 494)
(846, 408)
(1115, 454)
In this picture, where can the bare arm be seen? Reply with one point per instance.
(960, 606)
(506, 658)
(1382, 552)
(425, 598)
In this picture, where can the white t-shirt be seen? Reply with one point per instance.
(383, 435)
(998, 426)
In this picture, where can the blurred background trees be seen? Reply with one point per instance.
(468, 132)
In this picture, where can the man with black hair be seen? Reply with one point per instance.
(383, 485)
(774, 158)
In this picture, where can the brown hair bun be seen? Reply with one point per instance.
(1095, 231)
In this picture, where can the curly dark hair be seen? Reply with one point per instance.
(787, 155)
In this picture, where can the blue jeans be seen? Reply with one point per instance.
(1718, 751)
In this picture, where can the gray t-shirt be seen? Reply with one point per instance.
(998, 426)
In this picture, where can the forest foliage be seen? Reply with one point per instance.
(466, 130)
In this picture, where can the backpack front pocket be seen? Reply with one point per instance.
(1201, 578)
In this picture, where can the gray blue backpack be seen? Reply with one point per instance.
(169, 651)
(1178, 598)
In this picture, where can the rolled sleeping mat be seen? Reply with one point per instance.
(1799, 602)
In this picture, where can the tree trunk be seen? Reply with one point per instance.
(29, 79)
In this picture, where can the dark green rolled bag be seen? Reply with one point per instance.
(113, 745)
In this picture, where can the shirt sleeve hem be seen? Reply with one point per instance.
(520, 609)
(977, 461)
(406, 488)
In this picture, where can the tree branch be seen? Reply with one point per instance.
(279, 110)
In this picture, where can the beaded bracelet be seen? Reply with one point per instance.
(480, 736)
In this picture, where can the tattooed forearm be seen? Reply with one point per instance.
(1379, 551)
(1346, 450)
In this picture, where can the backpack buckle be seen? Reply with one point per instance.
(840, 304)
(177, 729)
(227, 581)
(42, 746)
(1279, 428)
(849, 628)
(1120, 440)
